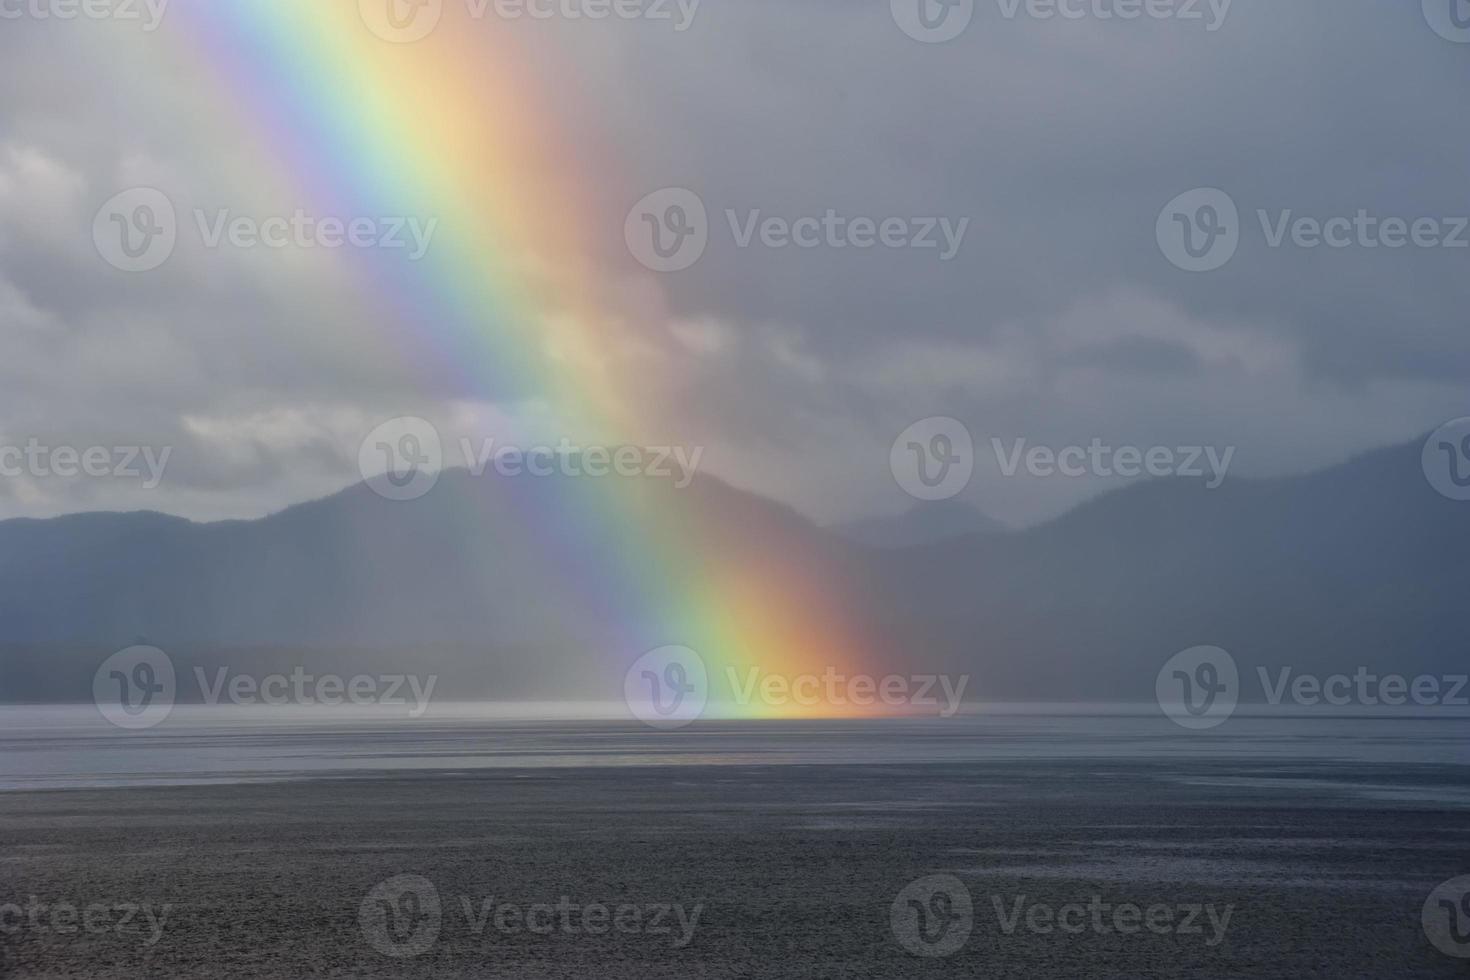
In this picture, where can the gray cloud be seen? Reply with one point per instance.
(1059, 320)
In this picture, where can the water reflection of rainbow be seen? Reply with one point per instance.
(449, 126)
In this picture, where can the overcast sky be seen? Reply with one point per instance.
(1059, 318)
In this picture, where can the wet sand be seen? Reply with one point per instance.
(782, 871)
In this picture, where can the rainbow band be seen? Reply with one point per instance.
(448, 127)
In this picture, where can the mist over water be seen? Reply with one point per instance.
(56, 746)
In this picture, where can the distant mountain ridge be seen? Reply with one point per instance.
(923, 523)
(1363, 563)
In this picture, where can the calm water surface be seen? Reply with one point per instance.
(71, 746)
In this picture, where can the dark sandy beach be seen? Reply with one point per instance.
(743, 871)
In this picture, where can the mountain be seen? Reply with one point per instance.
(503, 583)
(1363, 564)
(925, 522)
(504, 586)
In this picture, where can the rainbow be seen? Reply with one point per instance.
(455, 126)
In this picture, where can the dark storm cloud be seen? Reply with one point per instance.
(1059, 317)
